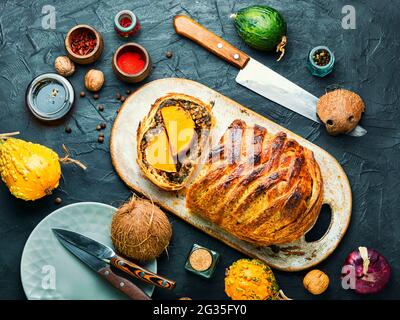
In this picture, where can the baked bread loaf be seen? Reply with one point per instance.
(262, 188)
(171, 139)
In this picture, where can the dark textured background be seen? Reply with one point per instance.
(366, 61)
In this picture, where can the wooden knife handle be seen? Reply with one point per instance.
(189, 28)
(140, 273)
(123, 285)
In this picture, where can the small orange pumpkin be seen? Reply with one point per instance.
(252, 280)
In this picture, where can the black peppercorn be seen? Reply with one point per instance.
(103, 125)
(101, 108)
(96, 96)
(82, 94)
(98, 128)
(100, 139)
(118, 96)
(169, 54)
(123, 98)
(68, 130)
(128, 91)
(57, 201)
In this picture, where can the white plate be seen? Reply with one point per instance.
(49, 271)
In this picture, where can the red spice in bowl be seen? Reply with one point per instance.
(125, 22)
(83, 42)
(131, 62)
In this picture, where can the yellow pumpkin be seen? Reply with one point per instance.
(30, 171)
(251, 280)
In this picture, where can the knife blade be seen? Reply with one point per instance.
(104, 270)
(253, 74)
(108, 256)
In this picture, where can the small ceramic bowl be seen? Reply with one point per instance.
(90, 57)
(132, 77)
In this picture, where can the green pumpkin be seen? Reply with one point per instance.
(262, 28)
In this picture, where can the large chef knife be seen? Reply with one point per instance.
(254, 75)
(108, 256)
(105, 271)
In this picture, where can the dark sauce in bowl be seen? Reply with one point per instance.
(50, 97)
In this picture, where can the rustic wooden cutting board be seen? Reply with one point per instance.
(295, 256)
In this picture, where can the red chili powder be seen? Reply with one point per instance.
(131, 62)
(125, 22)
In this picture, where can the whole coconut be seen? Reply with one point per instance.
(140, 230)
(340, 110)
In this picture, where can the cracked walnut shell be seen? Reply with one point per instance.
(64, 66)
(340, 110)
(94, 80)
(316, 282)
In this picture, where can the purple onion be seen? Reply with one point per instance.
(371, 274)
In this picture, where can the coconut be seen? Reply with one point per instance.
(340, 110)
(140, 230)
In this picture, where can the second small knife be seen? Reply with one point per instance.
(104, 270)
(108, 255)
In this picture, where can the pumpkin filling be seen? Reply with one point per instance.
(180, 128)
(158, 153)
(170, 145)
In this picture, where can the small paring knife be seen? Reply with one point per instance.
(253, 74)
(101, 257)
(104, 270)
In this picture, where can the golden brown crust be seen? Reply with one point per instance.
(265, 188)
(149, 122)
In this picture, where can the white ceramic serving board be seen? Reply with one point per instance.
(295, 256)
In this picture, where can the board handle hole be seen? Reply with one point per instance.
(321, 226)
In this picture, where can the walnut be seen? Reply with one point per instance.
(316, 282)
(340, 110)
(64, 66)
(94, 80)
